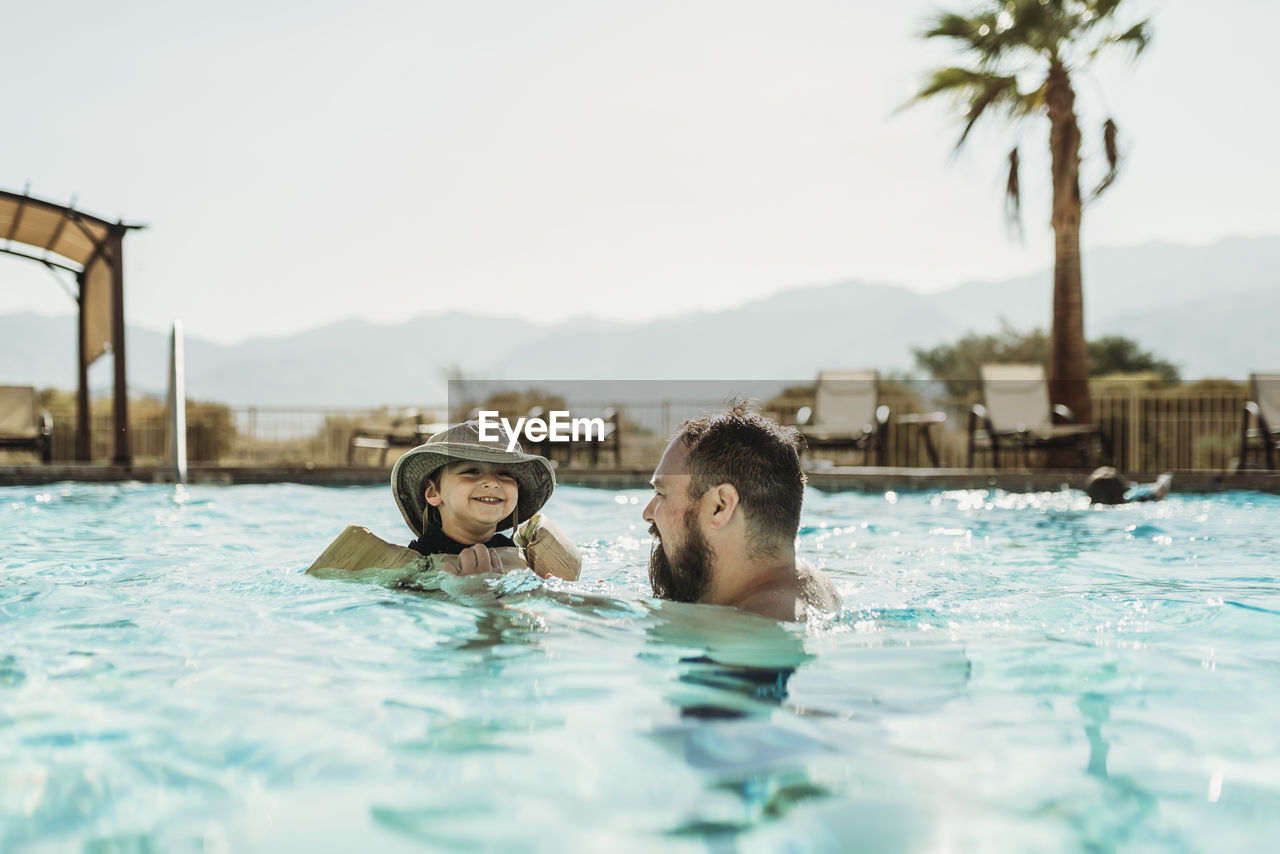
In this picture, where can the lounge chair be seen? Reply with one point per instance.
(1264, 411)
(845, 415)
(1017, 417)
(407, 430)
(22, 424)
(611, 441)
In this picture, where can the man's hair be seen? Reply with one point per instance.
(761, 458)
(1106, 486)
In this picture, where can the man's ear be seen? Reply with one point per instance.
(432, 494)
(724, 504)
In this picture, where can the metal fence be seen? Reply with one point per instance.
(1149, 431)
(278, 434)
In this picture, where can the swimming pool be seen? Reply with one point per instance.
(1010, 673)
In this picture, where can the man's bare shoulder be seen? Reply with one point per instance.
(818, 591)
(790, 598)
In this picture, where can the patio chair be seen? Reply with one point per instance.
(407, 430)
(22, 424)
(845, 415)
(1264, 410)
(610, 441)
(1017, 417)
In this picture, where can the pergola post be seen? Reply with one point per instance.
(84, 428)
(120, 408)
(91, 248)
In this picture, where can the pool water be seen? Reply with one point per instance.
(1010, 673)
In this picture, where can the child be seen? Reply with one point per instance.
(457, 492)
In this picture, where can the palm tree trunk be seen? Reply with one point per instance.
(1068, 357)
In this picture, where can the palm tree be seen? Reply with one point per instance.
(1041, 42)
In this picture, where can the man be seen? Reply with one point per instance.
(725, 513)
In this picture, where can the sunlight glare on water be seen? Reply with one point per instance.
(1009, 673)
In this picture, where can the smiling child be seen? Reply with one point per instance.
(457, 492)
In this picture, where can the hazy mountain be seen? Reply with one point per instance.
(1128, 281)
(1209, 309)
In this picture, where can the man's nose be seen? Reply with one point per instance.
(647, 515)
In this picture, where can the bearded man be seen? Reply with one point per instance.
(725, 513)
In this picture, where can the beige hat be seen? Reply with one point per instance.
(534, 475)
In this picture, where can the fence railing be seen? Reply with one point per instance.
(1158, 432)
(1149, 431)
(277, 434)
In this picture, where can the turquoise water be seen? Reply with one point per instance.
(1010, 673)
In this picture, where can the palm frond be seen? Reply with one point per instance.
(1029, 102)
(980, 33)
(952, 79)
(1102, 9)
(1109, 145)
(952, 26)
(1032, 24)
(1013, 195)
(992, 91)
(978, 90)
(1135, 38)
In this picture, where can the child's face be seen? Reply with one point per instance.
(473, 497)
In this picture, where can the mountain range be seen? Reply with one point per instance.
(1212, 310)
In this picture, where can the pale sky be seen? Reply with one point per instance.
(298, 163)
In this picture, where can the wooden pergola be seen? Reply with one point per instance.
(92, 249)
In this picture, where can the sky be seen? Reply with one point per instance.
(298, 163)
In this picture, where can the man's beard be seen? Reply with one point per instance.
(687, 575)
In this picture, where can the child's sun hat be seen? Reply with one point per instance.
(534, 475)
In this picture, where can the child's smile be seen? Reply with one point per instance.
(497, 501)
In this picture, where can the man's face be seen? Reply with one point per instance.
(680, 561)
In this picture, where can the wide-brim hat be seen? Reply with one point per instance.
(534, 476)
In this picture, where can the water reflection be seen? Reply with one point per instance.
(761, 687)
(730, 664)
(1126, 808)
(730, 674)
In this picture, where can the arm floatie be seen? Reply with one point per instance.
(359, 555)
(548, 550)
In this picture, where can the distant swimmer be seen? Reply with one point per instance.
(1107, 486)
(724, 515)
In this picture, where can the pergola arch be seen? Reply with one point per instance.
(62, 238)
